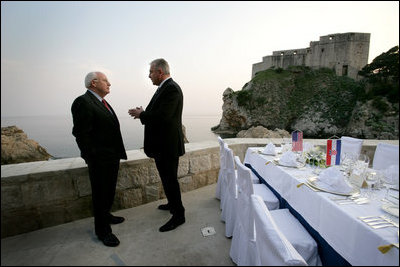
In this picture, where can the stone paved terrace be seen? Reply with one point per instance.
(141, 244)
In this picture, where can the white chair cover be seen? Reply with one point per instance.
(351, 145)
(224, 176)
(242, 249)
(254, 178)
(272, 247)
(229, 202)
(297, 235)
(221, 167)
(267, 195)
(385, 155)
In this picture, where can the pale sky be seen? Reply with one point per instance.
(47, 48)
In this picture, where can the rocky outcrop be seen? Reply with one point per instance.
(17, 148)
(261, 132)
(185, 140)
(368, 121)
(317, 102)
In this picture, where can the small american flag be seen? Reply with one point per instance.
(297, 141)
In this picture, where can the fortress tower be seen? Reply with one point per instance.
(345, 53)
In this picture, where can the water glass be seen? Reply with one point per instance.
(372, 179)
(389, 180)
(364, 160)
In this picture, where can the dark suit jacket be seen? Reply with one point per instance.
(162, 118)
(96, 130)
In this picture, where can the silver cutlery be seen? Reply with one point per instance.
(393, 196)
(356, 201)
(379, 221)
(349, 199)
(354, 196)
(370, 216)
(391, 221)
(352, 200)
(389, 201)
(375, 218)
(382, 226)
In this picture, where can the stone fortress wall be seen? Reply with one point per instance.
(345, 53)
(41, 194)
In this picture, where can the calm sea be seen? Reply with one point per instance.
(55, 132)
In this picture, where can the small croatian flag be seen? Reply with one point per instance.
(297, 141)
(333, 147)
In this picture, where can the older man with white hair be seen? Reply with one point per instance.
(98, 135)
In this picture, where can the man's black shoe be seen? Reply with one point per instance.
(110, 240)
(116, 219)
(163, 207)
(172, 224)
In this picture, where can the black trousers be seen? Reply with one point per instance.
(103, 179)
(168, 169)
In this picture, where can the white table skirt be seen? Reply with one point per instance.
(355, 241)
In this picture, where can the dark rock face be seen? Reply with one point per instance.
(261, 132)
(317, 102)
(17, 148)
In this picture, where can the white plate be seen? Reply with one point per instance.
(278, 150)
(299, 165)
(267, 154)
(314, 183)
(392, 209)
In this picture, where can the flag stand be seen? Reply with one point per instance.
(333, 150)
(297, 141)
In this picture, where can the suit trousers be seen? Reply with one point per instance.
(103, 178)
(167, 167)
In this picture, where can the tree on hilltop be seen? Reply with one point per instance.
(383, 74)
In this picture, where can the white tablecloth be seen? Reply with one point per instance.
(355, 241)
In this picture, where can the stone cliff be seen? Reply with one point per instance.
(317, 102)
(17, 148)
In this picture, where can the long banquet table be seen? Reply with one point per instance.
(342, 238)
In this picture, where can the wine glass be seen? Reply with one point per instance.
(301, 157)
(363, 161)
(317, 163)
(390, 178)
(347, 161)
(286, 146)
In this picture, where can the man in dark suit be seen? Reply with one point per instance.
(97, 132)
(163, 137)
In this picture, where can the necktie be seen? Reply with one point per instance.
(105, 104)
(157, 91)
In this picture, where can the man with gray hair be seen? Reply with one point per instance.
(98, 135)
(163, 137)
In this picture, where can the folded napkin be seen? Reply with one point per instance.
(269, 149)
(332, 179)
(288, 159)
(392, 174)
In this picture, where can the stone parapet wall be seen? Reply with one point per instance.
(46, 193)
